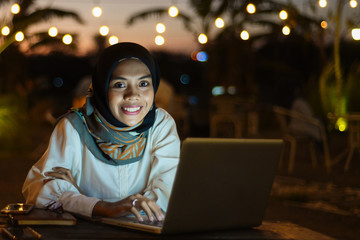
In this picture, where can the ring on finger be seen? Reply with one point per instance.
(134, 202)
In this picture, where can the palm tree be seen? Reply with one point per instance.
(29, 17)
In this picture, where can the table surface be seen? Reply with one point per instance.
(95, 230)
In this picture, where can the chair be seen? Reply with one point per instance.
(292, 139)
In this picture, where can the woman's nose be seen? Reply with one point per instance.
(131, 93)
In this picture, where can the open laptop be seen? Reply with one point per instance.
(220, 184)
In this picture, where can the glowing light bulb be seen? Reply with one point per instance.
(202, 38)
(53, 32)
(353, 3)
(15, 8)
(67, 39)
(104, 30)
(244, 35)
(159, 40)
(113, 40)
(97, 11)
(19, 36)
(286, 30)
(356, 33)
(219, 23)
(160, 28)
(173, 11)
(324, 24)
(5, 31)
(322, 3)
(283, 15)
(250, 8)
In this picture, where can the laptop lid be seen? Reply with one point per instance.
(220, 184)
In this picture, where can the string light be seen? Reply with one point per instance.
(244, 35)
(283, 15)
(353, 3)
(104, 30)
(286, 30)
(53, 32)
(113, 40)
(173, 11)
(96, 11)
(15, 8)
(356, 33)
(5, 31)
(67, 39)
(250, 8)
(324, 24)
(219, 23)
(202, 38)
(159, 40)
(160, 28)
(19, 36)
(322, 3)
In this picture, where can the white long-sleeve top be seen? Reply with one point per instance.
(152, 176)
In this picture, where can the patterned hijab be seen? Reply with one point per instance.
(119, 143)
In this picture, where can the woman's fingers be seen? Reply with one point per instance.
(149, 207)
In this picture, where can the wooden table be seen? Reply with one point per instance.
(95, 230)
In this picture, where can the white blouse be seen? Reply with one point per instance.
(152, 176)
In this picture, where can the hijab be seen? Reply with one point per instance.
(118, 143)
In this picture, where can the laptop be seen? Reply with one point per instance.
(219, 184)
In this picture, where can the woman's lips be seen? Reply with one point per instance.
(131, 110)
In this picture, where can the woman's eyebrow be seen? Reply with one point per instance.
(123, 78)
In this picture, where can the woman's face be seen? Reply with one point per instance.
(131, 92)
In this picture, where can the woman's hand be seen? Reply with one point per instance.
(63, 173)
(130, 205)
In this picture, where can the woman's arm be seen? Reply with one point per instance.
(64, 150)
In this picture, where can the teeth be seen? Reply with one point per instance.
(128, 109)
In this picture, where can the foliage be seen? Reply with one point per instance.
(13, 121)
(29, 16)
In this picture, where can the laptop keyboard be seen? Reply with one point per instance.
(151, 223)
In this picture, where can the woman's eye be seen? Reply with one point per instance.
(144, 84)
(118, 85)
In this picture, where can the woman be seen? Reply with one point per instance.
(118, 154)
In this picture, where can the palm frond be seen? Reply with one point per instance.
(43, 15)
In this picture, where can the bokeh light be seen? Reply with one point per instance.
(355, 33)
(322, 3)
(67, 39)
(202, 56)
(113, 40)
(232, 90)
(286, 30)
(250, 8)
(104, 30)
(218, 90)
(173, 11)
(244, 35)
(159, 40)
(160, 28)
(185, 79)
(219, 23)
(283, 15)
(96, 11)
(202, 38)
(353, 3)
(5, 31)
(19, 36)
(324, 24)
(15, 8)
(53, 32)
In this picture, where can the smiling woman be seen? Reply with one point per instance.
(117, 155)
